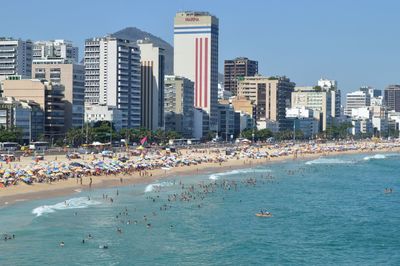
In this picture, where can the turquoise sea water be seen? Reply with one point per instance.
(325, 211)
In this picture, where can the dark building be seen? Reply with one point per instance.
(392, 97)
(237, 69)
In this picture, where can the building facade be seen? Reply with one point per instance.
(16, 114)
(226, 125)
(95, 113)
(15, 58)
(178, 105)
(235, 70)
(318, 101)
(196, 58)
(357, 99)
(72, 78)
(55, 49)
(271, 95)
(47, 95)
(112, 77)
(336, 97)
(152, 61)
(392, 97)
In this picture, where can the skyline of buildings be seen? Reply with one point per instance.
(123, 81)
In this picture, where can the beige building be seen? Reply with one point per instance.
(72, 77)
(48, 96)
(318, 101)
(152, 60)
(243, 105)
(271, 96)
(25, 89)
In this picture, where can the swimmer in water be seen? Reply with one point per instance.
(62, 244)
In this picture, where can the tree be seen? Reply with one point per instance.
(338, 131)
(103, 131)
(12, 134)
(263, 134)
(317, 88)
(78, 136)
(248, 133)
(210, 135)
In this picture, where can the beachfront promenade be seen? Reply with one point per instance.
(29, 178)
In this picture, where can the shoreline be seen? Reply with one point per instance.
(16, 194)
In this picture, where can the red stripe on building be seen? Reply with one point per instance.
(196, 89)
(201, 73)
(206, 74)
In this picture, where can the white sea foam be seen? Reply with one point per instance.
(151, 187)
(375, 157)
(328, 161)
(235, 172)
(74, 203)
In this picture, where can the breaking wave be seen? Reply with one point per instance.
(152, 187)
(328, 161)
(375, 157)
(74, 203)
(235, 172)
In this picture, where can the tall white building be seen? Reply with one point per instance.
(55, 49)
(357, 99)
(112, 76)
(332, 87)
(196, 58)
(15, 58)
(152, 61)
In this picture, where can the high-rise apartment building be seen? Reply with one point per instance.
(196, 58)
(319, 101)
(15, 58)
(152, 61)
(72, 77)
(357, 99)
(112, 76)
(55, 49)
(392, 97)
(332, 87)
(178, 105)
(237, 69)
(271, 95)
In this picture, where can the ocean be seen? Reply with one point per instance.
(324, 211)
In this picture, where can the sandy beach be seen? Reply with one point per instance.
(245, 157)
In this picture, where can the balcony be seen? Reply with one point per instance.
(8, 50)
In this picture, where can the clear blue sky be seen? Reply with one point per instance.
(356, 42)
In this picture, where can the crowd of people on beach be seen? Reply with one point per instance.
(127, 164)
